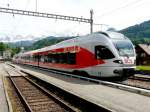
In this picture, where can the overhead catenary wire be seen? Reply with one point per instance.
(126, 5)
(120, 8)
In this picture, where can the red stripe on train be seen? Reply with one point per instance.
(84, 58)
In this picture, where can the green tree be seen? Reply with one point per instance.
(15, 50)
(2, 48)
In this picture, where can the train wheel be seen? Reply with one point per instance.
(83, 73)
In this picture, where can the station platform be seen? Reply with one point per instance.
(3, 101)
(114, 99)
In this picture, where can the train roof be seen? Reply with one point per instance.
(96, 36)
(113, 35)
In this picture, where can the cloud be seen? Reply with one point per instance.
(17, 38)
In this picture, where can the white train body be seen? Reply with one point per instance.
(101, 54)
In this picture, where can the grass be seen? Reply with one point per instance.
(143, 67)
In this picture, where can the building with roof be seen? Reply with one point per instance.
(7, 54)
(143, 54)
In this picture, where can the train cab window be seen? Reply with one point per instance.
(102, 52)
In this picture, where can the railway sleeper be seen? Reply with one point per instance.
(38, 100)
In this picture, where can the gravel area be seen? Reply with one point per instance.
(138, 83)
(3, 102)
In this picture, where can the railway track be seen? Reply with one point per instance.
(138, 81)
(16, 105)
(35, 98)
(141, 77)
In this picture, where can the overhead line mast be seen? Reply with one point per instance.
(91, 22)
(47, 15)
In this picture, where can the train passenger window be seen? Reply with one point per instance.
(38, 58)
(71, 58)
(35, 58)
(41, 59)
(46, 58)
(56, 58)
(52, 58)
(62, 58)
(49, 58)
(68, 58)
(65, 57)
(101, 52)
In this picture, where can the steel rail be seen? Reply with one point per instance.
(22, 98)
(45, 15)
(141, 78)
(69, 108)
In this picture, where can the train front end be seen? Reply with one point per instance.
(126, 58)
(118, 55)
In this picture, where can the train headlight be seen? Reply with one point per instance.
(118, 61)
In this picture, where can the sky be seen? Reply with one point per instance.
(118, 14)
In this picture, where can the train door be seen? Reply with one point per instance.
(103, 54)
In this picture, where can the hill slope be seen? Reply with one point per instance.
(46, 42)
(139, 33)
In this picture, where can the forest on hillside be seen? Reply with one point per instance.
(139, 33)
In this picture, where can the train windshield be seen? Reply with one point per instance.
(124, 48)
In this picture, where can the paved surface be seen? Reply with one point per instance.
(3, 103)
(114, 99)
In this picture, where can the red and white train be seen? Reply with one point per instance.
(101, 54)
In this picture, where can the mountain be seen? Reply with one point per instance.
(33, 44)
(139, 33)
(18, 44)
(24, 43)
(50, 40)
(36, 43)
